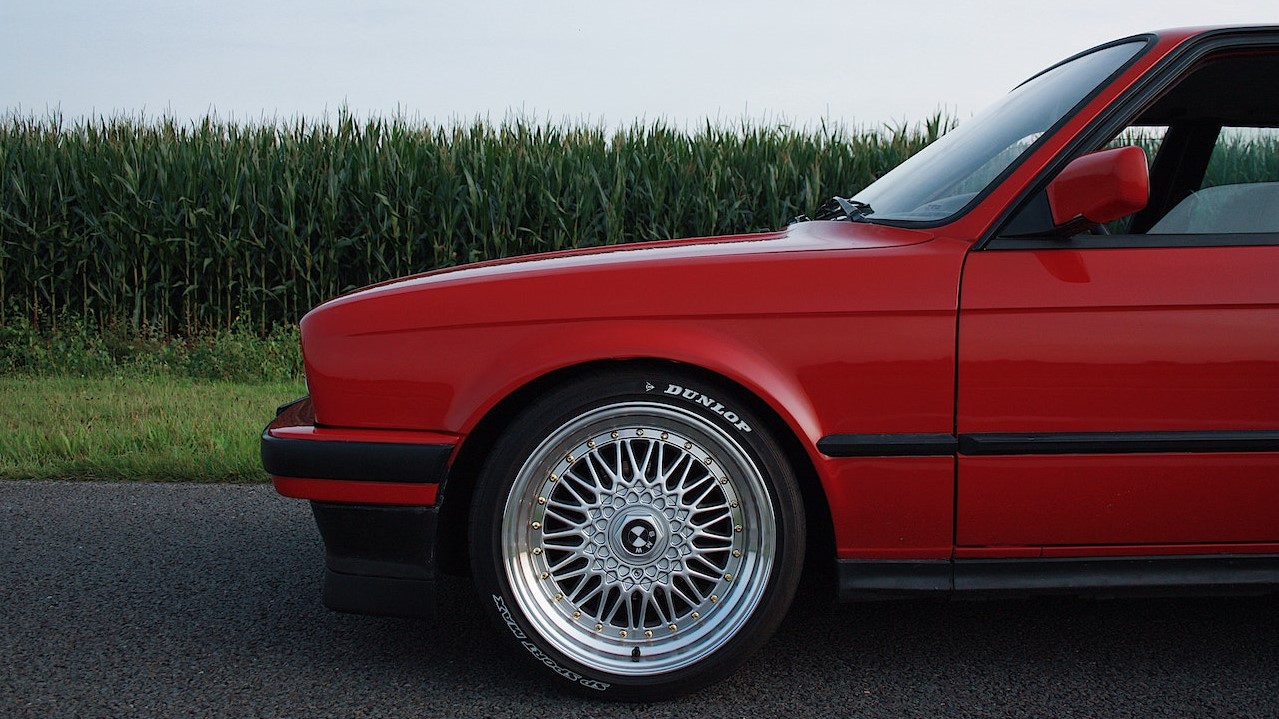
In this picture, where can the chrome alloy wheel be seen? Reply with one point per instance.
(638, 538)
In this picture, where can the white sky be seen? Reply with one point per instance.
(799, 61)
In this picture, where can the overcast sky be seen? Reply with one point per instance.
(799, 61)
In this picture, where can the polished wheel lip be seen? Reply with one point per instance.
(677, 610)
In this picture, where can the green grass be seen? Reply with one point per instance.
(159, 429)
(121, 404)
(69, 346)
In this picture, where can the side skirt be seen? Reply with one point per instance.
(861, 580)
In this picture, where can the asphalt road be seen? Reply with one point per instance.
(146, 600)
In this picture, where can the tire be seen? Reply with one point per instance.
(637, 534)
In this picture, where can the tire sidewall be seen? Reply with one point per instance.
(722, 408)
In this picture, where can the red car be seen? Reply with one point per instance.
(1042, 355)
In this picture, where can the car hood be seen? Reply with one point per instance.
(809, 269)
(705, 252)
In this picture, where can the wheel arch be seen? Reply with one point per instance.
(458, 491)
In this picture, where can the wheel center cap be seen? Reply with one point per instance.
(638, 536)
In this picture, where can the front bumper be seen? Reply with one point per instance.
(373, 494)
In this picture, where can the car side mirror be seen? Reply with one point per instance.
(1099, 187)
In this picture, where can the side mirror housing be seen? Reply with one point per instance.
(1100, 187)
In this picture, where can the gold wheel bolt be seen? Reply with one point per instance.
(541, 500)
(558, 596)
(577, 614)
(648, 634)
(696, 615)
(714, 597)
(673, 627)
(546, 575)
(728, 577)
(536, 525)
(599, 627)
(537, 550)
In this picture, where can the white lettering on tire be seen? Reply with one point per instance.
(709, 403)
(539, 654)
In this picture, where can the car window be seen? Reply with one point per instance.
(1244, 155)
(1239, 191)
(1212, 140)
(945, 176)
(1224, 209)
(1147, 138)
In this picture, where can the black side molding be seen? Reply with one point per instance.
(1120, 442)
(887, 445)
(1017, 443)
(361, 461)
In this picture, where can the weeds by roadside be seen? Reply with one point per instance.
(156, 429)
(124, 404)
(74, 347)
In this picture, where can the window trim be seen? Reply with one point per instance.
(1108, 124)
(1101, 242)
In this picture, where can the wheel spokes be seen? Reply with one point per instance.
(590, 563)
(630, 535)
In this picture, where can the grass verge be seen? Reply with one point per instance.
(156, 429)
(75, 346)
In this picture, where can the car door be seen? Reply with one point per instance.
(1118, 394)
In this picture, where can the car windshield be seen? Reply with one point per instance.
(944, 177)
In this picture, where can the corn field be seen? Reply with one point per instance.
(187, 228)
